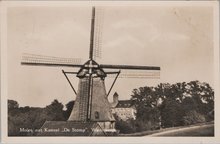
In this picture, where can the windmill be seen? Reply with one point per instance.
(91, 102)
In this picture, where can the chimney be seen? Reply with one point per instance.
(115, 98)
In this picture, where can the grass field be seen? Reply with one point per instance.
(203, 130)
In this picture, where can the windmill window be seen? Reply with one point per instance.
(96, 115)
(111, 125)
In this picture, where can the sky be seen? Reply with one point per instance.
(177, 39)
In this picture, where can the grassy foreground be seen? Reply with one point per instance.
(204, 129)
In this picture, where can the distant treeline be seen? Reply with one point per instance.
(166, 105)
(170, 105)
(34, 117)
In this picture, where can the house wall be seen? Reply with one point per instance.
(125, 113)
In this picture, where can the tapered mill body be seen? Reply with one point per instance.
(91, 102)
(99, 104)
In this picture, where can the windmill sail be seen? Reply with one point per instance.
(98, 27)
(40, 60)
(92, 34)
(147, 74)
(130, 67)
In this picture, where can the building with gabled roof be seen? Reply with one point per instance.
(123, 109)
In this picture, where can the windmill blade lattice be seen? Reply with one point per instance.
(97, 52)
(137, 74)
(30, 59)
(129, 67)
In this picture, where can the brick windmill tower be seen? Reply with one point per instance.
(91, 103)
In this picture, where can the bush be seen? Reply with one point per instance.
(124, 127)
(193, 117)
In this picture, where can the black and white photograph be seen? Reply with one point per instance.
(145, 70)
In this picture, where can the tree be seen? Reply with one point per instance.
(178, 91)
(173, 101)
(12, 104)
(55, 110)
(69, 108)
(207, 96)
(163, 91)
(31, 117)
(202, 95)
(171, 113)
(146, 102)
